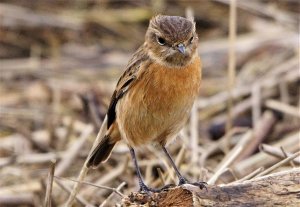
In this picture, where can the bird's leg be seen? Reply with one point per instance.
(182, 180)
(143, 186)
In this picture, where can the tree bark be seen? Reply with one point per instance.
(278, 189)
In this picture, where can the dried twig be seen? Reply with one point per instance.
(231, 156)
(72, 152)
(82, 201)
(84, 169)
(108, 177)
(285, 156)
(111, 195)
(91, 184)
(231, 73)
(47, 202)
(284, 108)
(256, 104)
(20, 199)
(277, 165)
(244, 167)
(213, 147)
(260, 132)
(250, 175)
(276, 152)
(194, 134)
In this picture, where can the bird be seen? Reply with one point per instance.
(153, 98)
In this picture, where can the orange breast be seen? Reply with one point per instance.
(172, 86)
(157, 107)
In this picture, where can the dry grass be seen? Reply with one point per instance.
(59, 64)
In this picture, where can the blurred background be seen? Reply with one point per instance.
(60, 61)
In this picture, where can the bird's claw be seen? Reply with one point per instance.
(200, 184)
(144, 188)
(166, 187)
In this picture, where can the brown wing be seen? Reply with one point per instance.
(125, 82)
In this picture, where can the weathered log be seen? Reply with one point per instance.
(278, 189)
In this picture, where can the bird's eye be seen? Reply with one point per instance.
(191, 39)
(161, 41)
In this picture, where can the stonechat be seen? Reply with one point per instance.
(154, 96)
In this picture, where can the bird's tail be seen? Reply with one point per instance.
(102, 152)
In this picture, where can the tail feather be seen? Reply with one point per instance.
(101, 153)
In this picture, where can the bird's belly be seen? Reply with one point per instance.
(157, 106)
(142, 123)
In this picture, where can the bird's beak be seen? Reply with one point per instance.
(181, 48)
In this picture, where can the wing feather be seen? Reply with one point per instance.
(125, 82)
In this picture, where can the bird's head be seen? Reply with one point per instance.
(171, 40)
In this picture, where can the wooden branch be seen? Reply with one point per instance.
(281, 189)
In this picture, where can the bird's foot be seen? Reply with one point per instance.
(167, 187)
(200, 184)
(148, 190)
(144, 188)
